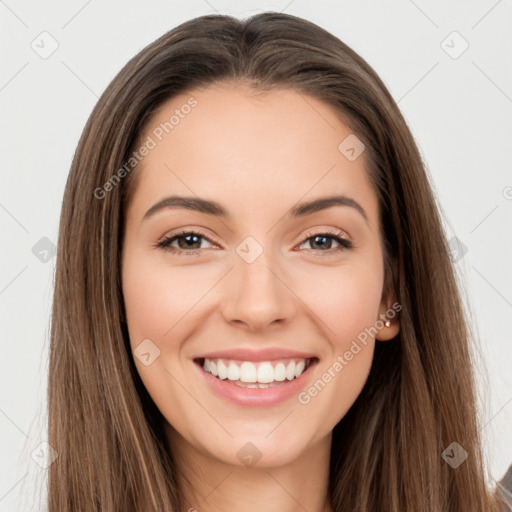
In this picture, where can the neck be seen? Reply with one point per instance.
(210, 485)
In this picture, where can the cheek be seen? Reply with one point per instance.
(157, 300)
(345, 299)
(157, 297)
(349, 313)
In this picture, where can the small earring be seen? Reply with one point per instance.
(387, 323)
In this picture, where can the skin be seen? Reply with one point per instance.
(257, 155)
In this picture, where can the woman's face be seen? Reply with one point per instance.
(275, 295)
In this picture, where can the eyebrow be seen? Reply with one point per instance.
(213, 208)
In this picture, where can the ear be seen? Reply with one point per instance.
(389, 309)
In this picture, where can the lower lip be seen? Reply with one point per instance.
(254, 397)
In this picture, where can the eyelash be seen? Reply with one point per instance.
(336, 235)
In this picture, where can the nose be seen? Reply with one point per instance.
(257, 295)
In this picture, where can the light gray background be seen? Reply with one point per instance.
(459, 110)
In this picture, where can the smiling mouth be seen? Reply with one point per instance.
(261, 374)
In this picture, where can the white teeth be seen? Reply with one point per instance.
(279, 372)
(299, 368)
(255, 375)
(265, 373)
(290, 370)
(248, 372)
(222, 369)
(233, 372)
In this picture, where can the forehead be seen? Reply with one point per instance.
(250, 149)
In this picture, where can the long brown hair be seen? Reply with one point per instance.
(420, 394)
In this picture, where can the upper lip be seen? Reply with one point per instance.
(245, 354)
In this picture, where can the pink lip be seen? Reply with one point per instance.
(268, 354)
(259, 397)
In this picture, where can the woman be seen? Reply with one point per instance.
(205, 354)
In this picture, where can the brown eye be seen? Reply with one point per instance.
(322, 242)
(188, 241)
